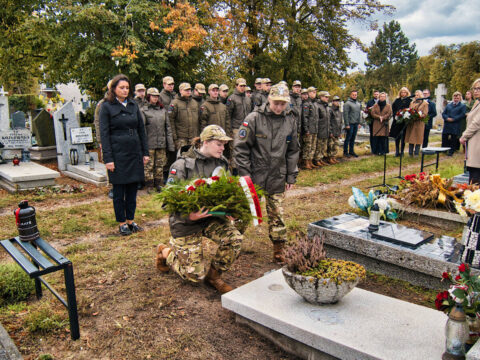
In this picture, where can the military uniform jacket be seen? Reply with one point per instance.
(140, 102)
(256, 98)
(166, 97)
(199, 100)
(266, 148)
(239, 106)
(183, 113)
(296, 105)
(323, 131)
(336, 121)
(191, 164)
(157, 125)
(124, 141)
(309, 117)
(213, 112)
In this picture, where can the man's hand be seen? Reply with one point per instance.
(463, 141)
(146, 159)
(347, 127)
(203, 213)
(289, 187)
(110, 166)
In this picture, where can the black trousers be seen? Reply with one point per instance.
(474, 175)
(426, 134)
(450, 140)
(399, 140)
(382, 144)
(124, 201)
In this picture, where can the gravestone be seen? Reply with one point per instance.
(4, 114)
(66, 136)
(15, 141)
(18, 120)
(26, 176)
(43, 129)
(440, 93)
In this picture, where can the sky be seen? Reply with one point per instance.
(426, 23)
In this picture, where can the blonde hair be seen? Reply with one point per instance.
(476, 81)
(404, 89)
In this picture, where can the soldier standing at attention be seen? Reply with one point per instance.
(184, 254)
(248, 91)
(304, 95)
(223, 94)
(266, 86)
(140, 95)
(256, 94)
(167, 94)
(336, 121)
(198, 93)
(183, 113)
(323, 132)
(309, 128)
(213, 112)
(239, 105)
(266, 149)
(296, 104)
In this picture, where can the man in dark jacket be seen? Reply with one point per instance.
(335, 129)
(452, 117)
(323, 131)
(213, 112)
(167, 94)
(296, 104)
(263, 97)
(238, 105)
(373, 137)
(198, 93)
(266, 149)
(351, 116)
(256, 93)
(183, 114)
(223, 94)
(432, 113)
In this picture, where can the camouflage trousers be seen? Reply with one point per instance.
(332, 147)
(186, 255)
(154, 168)
(321, 150)
(309, 146)
(276, 226)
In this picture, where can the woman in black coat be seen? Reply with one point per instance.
(402, 102)
(125, 150)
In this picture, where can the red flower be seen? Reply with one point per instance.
(458, 277)
(191, 188)
(199, 182)
(463, 267)
(445, 275)
(230, 180)
(215, 178)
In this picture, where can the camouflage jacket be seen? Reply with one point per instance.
(296, 105)
(166, 97)
(309, 117)
(213, 112)
(323, 131)
(336, 121)
(239, 106)
(183, 114)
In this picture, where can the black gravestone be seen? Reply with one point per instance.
(43, 129)
(18, 120)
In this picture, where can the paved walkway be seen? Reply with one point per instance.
(8, 350)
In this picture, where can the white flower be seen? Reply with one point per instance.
(420, 112)
(460, 210)
(209, 181)
(382, 204)
(406, 115)
(364, 115)
(351, 202)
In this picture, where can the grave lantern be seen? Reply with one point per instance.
(456, 332)
(26, 222)
(374, 218)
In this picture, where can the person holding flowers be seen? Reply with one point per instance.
(415, 129)
(471, 137)
(397, 129)
(184, 254)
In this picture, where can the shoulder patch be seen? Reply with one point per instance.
(170, 180)
(171, 107)
(173, 171)
(245, 123)
(229, 101)
(242, 133)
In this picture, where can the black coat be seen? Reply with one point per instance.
(398, 105)
(124, 141)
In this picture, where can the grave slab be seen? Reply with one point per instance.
(84, 174)
(363, 325)
(461, 178)
(40, 153)
(422, 265)
(28, 175)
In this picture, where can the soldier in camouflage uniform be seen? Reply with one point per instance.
(183, 114)
(256, 93)
(336, 120)
(304, 95)
(213, 112)
(296, 104)
(223, 94)
(323, 131)
(266, 149)
(184, 254)
(167, 94)
(309, 128)
(263, 98)
(140, 95)
(159, 138)
(198, 93)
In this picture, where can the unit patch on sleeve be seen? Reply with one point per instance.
(242, 133)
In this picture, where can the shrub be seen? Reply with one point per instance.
(43, 319)
(15, 284)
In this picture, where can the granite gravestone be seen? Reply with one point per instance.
(43, 129)
(18, 120)
(4, 115)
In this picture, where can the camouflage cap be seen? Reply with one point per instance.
(311, 88)
(168, 80)
(266, 81)
(140, 87)
(214, 132)
(153, 91)
(200, 88)
(304, 91)
(248, 88)
(241, 81)
(336, 98)
(223, 87)
(279, 92)
(283, 82)
(297, 83)
(324, 93)
(258, 80)
(185, 86)
(212, 86)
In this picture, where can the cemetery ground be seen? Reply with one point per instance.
(128, 310)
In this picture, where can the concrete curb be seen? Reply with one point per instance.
(8, 350)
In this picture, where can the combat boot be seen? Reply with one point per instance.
(315, 164)
(157, 184)
(331, 161)
(308, 165)
(161, 261)
(278, 256)
(213, 279)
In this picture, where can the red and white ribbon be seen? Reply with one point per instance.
(252, 197)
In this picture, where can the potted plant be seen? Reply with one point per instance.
(318, 279)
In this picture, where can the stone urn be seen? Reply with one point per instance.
(317, 290)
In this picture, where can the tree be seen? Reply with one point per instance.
(419, 78)
(466, 67)
(390, 58)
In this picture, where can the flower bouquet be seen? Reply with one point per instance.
(367, 114)
(409, 115)
(221, 195)
(359, 201)
(471, 203)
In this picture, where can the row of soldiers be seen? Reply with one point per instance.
(319, 124)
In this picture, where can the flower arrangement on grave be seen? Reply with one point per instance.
(315, 277)
(364, 203)
(470, 204)
(432, 191)
(410, 115)
(221, 195)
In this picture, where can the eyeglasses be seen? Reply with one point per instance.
(476, 89)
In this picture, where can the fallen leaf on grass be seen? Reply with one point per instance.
(95, 313)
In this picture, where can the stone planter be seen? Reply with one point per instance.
(318, 291)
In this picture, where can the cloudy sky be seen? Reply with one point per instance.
(426, 23)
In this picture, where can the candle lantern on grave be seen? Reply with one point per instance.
(374, 218)
(74, 156)
(456, 333)
(26, 222)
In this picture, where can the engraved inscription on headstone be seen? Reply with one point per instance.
(81, 135)
(16, 139)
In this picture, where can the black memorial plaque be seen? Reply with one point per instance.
(402, 235)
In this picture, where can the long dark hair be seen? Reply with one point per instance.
(111, 92)
(158, 102)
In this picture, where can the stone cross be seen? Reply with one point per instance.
(64, 121)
